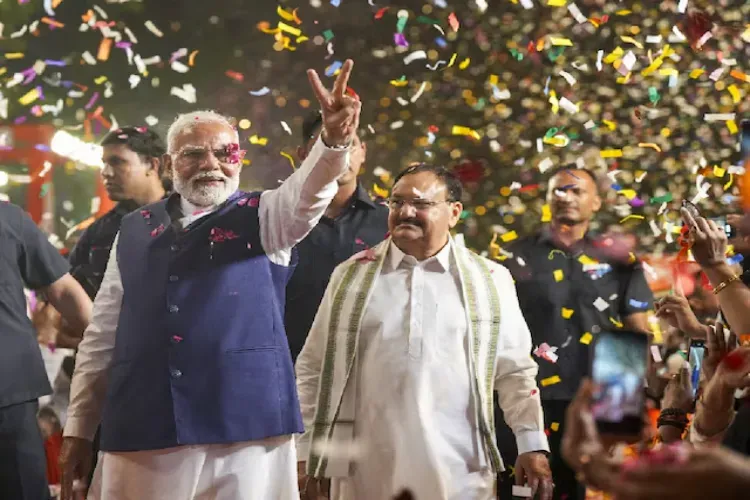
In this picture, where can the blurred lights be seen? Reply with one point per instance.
(71, 147)
(3, 178)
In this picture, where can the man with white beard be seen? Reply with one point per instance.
(186, 361)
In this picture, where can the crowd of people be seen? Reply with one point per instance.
(311, 342)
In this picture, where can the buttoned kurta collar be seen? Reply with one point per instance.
(439, 262)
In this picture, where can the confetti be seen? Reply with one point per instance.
(558, 274)
(555, 426)
(465, 131)
(509, 236)
(153, 29)
(555, 379)
(615, 322)
(611, 153)
(601, 304)
(453, 21)
(586, 338)
(289, 157)
(567, 313)
(260, 92)
(715, 117)
(415, 56)
(257, 140)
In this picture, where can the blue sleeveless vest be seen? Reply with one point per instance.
(201, 355)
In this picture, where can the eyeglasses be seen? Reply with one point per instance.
(231, 154)
(420, 205)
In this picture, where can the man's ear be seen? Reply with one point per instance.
(156, 164)
(301, 153)
(166, 166)
(597, 203)
(456, 209)
(364, 147)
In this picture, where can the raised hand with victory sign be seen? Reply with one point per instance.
(340, 111)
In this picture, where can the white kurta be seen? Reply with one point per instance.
(416, 424)
(243, 470)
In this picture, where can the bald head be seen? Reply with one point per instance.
(573, 196)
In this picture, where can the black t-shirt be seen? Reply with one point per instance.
(567, 297)
(27, 260)
(89, 258)
(363, 224)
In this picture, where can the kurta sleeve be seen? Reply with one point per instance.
(89, 385)
(288, 213)
(516, 371)
(309, 365)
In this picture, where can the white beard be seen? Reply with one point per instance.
(204, 195)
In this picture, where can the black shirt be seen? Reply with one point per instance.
(27, 260)
(565, 295)
(89, 258)
(363, 224)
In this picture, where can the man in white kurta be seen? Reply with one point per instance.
(396, 378)
(251, 470)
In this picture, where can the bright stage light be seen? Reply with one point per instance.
(75, 149)
(3, 178)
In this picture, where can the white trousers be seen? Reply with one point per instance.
(254, 470)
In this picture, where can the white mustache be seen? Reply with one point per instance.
(208, 177)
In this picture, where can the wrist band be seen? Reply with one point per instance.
(721, 286)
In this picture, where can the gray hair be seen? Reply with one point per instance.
(185, 121)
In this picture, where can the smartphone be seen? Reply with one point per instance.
(691, 207)
(722, 223)
(696, 353)
(619, 373)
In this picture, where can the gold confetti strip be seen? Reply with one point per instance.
(611, 153)
(631, 216)
(509, 236)
(567, 313)
(381, 192)
(734, 92)
(558, 274)
(555, 379)
(191, 59)
(719, 171)
(289, 157)
(729, 184)
(615, 322)
(546, 213)
(465, 131)
(555, 426)
(649, 145)
(586, 338)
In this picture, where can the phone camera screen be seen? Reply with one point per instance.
(696, 363)
(619, 370)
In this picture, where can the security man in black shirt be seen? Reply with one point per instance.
(571, 285)
(28, 260)
(352, 223)
(133, 177)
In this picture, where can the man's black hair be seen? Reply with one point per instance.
(144, 142)
(573, 167)
(311, 125)
(448, 178)
(141, 140)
